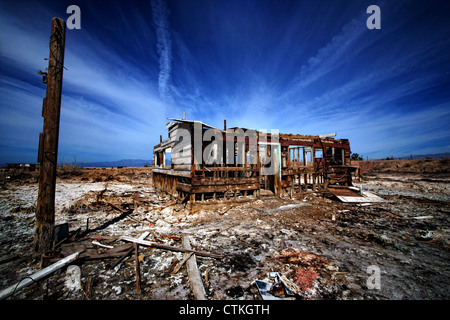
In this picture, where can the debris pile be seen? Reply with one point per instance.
(131, 242)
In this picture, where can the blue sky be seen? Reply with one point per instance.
(307, 67)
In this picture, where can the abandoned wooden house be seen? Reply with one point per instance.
(200, 163)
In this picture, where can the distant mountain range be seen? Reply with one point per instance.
(425, 156)
(141, 163)
(118, 163)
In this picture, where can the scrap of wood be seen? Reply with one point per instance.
(100, 194)
(144, 235)
(186, 198)
(114, 207)
(172, 265)
(151, 224)
(5, 293)
(186, 256)
(228, 228)
(121, 248)
(9, 259)
(176, 238)
(207, 278)
(156, 238)
(194, 274)
(101, 256)
(123, 257)
(102, 245)
(223, 211)
(137, 197)
(138, 271)
(100, 238)
(248, 244)
(171, 248)
(87, 288)
(420, 218)
(168, 205)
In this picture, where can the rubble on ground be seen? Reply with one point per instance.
(320, 250)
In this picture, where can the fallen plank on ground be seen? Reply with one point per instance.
(193, 273)
(38, 276)
(171, 248)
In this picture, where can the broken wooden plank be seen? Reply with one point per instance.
(114, 207)
(144, 235)
(87, 288)
(123, 257)
(9, 259)
(225, 210)
(102, 245)
(171, 248)
(248, 244)
(193, 273)
(420, 217)
(5, 293)
(176, 238)
(176, 268)
(106, 255)
(121, 248)
(138, 270)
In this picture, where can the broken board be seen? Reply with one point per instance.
(353, 194)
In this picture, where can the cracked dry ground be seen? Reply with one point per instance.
(324, 248)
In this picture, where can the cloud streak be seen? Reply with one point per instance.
(164, 47)
(296, 66)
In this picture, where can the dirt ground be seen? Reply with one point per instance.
(320, 247)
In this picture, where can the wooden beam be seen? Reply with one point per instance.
(171, 248)
(194, 274)
(38, 275)
(138, 270)
(45, 208)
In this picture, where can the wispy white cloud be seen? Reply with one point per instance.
(164, 47)
(107, 103)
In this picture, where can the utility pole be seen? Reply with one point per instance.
(48, 140)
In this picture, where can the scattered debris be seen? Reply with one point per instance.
(166, 247)
(285, 207)
(102, 245)
(354, 195)
(38, 276)
(264, 289)
(328, 244)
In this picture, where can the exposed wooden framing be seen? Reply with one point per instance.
(229, 182)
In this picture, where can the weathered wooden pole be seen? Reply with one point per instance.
(48, 140)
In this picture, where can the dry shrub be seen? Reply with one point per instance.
(69, 170)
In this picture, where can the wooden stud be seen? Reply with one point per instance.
(138, 271)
